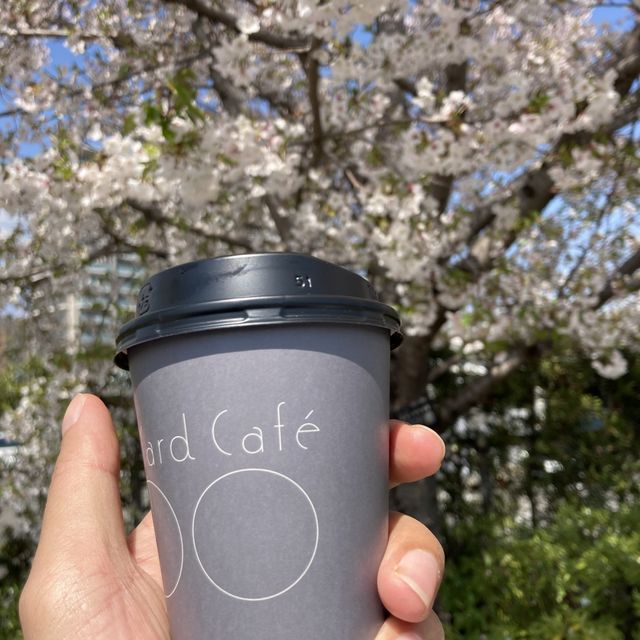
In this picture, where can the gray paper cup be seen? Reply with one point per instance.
(261, 386)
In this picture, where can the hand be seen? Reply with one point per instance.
(89, 580)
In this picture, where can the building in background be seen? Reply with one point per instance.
(94, 316)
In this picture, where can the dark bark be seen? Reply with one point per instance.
(312, 71)
(420, 500)
(627, 268)
(410, 369)
(219, 16)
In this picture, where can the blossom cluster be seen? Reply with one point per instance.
(395, 138)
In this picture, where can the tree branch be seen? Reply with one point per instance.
(535, 189)
(230, 96)
(11, 112)
(606, 208)
(37, 276)
(455, 80)
(265, 36)
(442, 184)
(477, 391)
(443, 367)
(627, 268)
(283, 225)
(310, 66)
(49, 33)
(121, 241)
(406, 85)
(628, 66)
(562, 290)
(532, 192)
(153, 213)
(626, 113)
(474, 392)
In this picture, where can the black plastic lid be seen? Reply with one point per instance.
(252, 289)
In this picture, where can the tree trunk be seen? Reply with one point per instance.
(409, 371)
(410, 368)
(420, 500)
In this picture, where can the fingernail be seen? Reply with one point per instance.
(419, 569)
(440, 440)
(73, 412)
(409, 635)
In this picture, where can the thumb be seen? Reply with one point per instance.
(83, 506)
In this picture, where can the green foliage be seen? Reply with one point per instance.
(183, 87)
(183, 93)
(539, 101)
(577, 578)
(9, 622)
(549, 547)
(16, 550)
(15, 559)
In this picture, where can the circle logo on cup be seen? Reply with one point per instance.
(165, 517)
(255, 533)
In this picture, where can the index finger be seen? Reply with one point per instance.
(415, 452)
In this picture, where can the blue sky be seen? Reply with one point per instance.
(612, 15)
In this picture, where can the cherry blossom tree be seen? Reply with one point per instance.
(476, 159)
